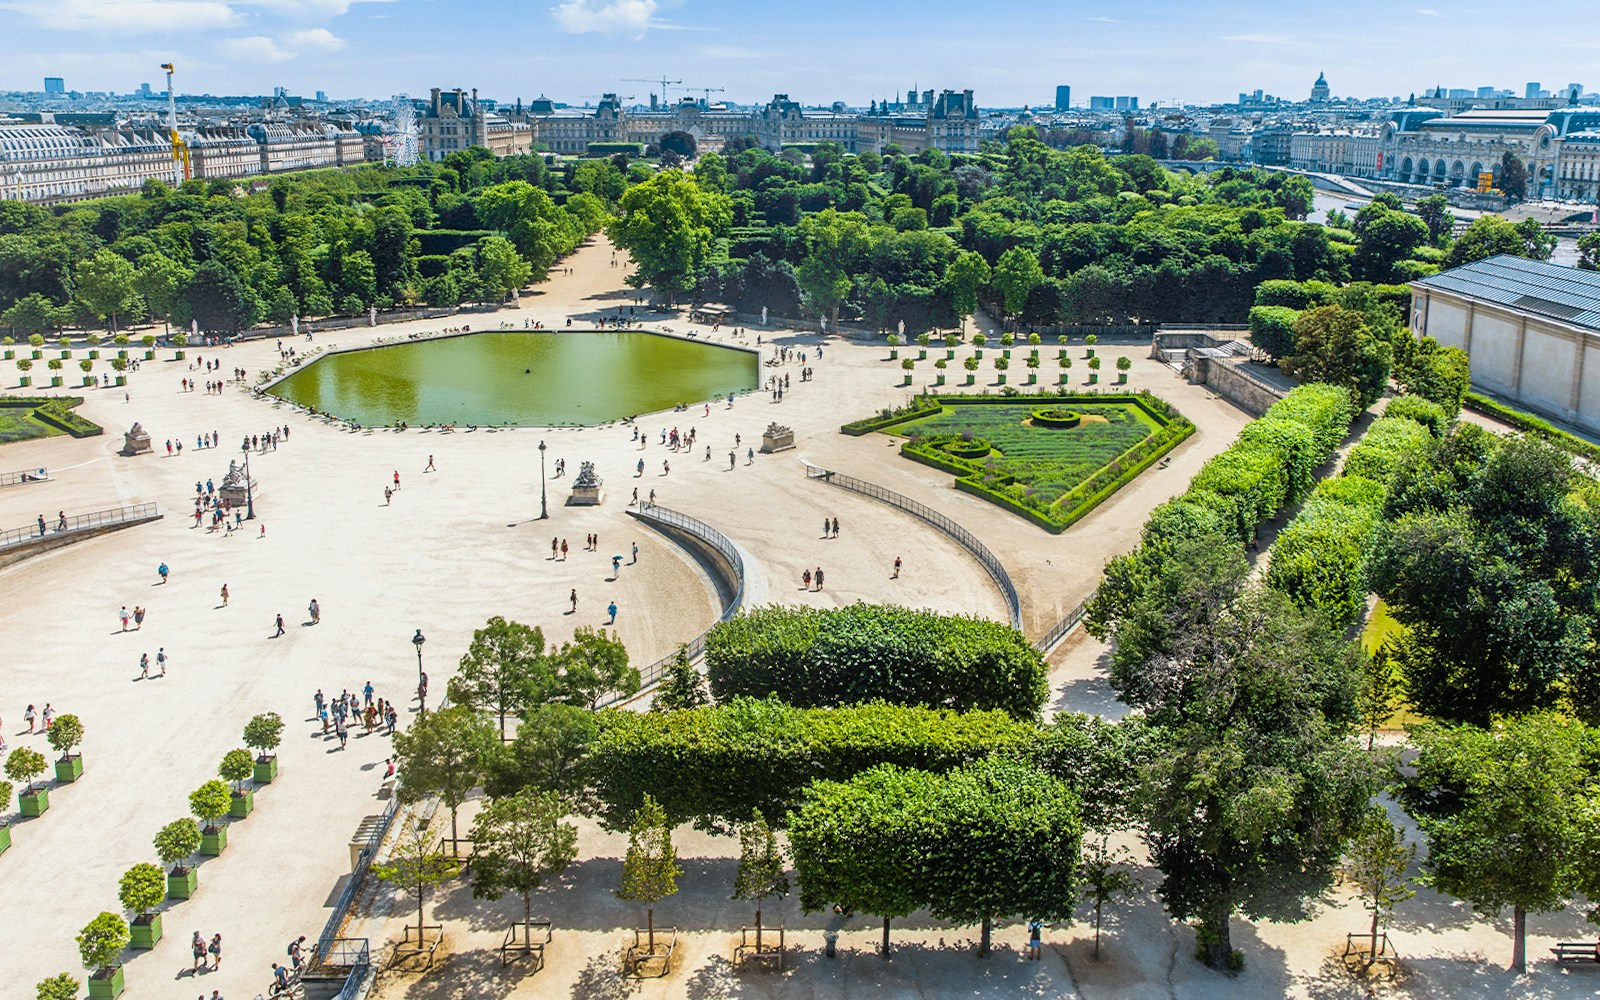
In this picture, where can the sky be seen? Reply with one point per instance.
(1010, 52)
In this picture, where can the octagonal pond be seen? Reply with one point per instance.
(520, 378)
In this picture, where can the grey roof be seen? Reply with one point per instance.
(1535, 286)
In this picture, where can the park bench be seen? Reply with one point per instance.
(1580, 952)
(769, 954)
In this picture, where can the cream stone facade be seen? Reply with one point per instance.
(454, 120)
(1531, 328)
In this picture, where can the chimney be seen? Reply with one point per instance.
(436, 102)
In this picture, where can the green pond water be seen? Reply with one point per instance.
(534, 379)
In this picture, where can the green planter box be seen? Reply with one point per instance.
(1093, 378)
(145, 931)
(122, 352)
(949, 354)
(907, 380)
(1006, 352)
(938, 380)
(1033, 379)
(1122, 378)
(10, 354)
(55, 381)
(183, 886)
(213, 844)
(37, 355)
(977, 352)
(266, 770)
(922, 355)
(25, 380)
(94, 355)
(5, 838)
(122, 380)
(70, 769)
(149, 355)
(180, 356)
(88, 380)
(894, 354)
(1061, 379)
(971, 378)
(241, 803)
(106, 984)
(1001, 378)
(66, 355)
(35, 804)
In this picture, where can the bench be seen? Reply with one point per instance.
(1580, 952)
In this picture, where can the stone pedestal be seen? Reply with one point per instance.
(234, 489)
(586, 488)
(776, 438)
(136, 441)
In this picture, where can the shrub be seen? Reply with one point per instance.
(1530, 424)
(1320, 558)
(812, 657)
(1389, 442)
(1272, 329)
(60, 986)
(264, 732)
(1424, 411)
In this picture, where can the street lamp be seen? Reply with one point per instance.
(249, 495)
(422, 678)
(544, 500)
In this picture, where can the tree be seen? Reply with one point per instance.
(218, 301)
(1501, 809)
(1441, 374)
(1490, 235)
(1380, 691)
(547, 755)
(1106, 878)
(417, 867)
(176, 841)
(24, 764)
(1588, 252)
(679, 142)
(836, 248)
(761, 867)
(443, 753)
(237, 766)
(1016, 275)
(31, 316)
(1336, 345)
(505, 670)
(593, 664)
(1513, 176)
(263, 733)
(1272, 329)
(1376, 862)
(520, 841)
(1434, 211)
(102, 940)
(668, 225)
(61, 986)
(1385, 238)
(683, 687)
(106, 285)
(209, 803)
(650, 869)
(66, 733)
(501, 270)
(142, 888)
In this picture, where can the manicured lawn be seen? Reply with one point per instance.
(17, 423)
(1381, 627)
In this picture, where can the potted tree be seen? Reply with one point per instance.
(237, 767)
(1006, 340)
(121, 340)
(907, 364)
(10, 351)
(940, 364)
(894, 346)
(24, 765)
(149, 342)
(1033, 341)
(99, 944)
(1123, 364)
(952, 340)
(1000, 365)
(94, 344)
(36, 342)
(5, 826)
(923, 340)
(142, 889)
(178, 341)
(175, 842)
(971, 365)
(209, 803)
(87, 366)
(978, 340)
(263, 734)
(1065, 363)
(66, 733)
(54, 364)
(1089, 342)
(66, 347)
(120, 365)
(1032, 361)
(25, 366)
(1094, 369)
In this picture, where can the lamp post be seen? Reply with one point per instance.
(422, 678)
(249, 494)
(544, 500)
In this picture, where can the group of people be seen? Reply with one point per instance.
(338, 715)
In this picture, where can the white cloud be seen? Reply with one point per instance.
(316, 38)
(631, 18)
(307, 10)
(254, 49)
(126, 16)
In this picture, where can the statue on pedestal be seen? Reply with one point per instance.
(586, 488)
(136, 441)
(776, 438)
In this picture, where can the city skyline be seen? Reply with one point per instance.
(573, 50)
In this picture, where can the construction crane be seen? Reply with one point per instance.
(664, 82)
(180, 149)
(705, 102)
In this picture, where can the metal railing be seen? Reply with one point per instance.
(25, 476)
(650, 675)
(78, 522)
(961, 536)
(1065, 627)
(354, 954)
(329, 942)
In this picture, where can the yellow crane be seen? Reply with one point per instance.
(180, 149)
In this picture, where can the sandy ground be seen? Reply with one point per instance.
(461, 544)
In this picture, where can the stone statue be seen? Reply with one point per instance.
(586, 475)
(136, 441)
(776, 438)
(586, 488)
(763, 315)
(902, 329)
(294, 324)
(235, 477)
(372, 315)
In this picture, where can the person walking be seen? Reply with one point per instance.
(29, 717)
(430, 467)
(144, 674)
(224, 595)
(731, 456)
(342, 731)
(162, 569)
(316, 611)
(49, 717)
(563, 550)
(616, 567)
(819, 577)
(611, 609)
(1035, 939)
(123, 614)
(635, 553)
(161, 660)
(824, 527)
(805, 578)
(397, 480)
(555, 547)
(280, 627)
(388, 495)
(198, 945)
(216, 951)
(749, 456)
(573, 597)
(836, 527)
(138, 617)
(896, 569)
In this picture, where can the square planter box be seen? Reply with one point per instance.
(180, 355)
(149, 355)
(1002, 378)
(106, 984)
(971, 378)
(144, 932)
(10, 354)
(38, 354)
(25, 380)
(69, 770)
(938, 380)
(5, 838)
(122, 380)
(89, 380)
(240, 804)
(94, 355)
(922, 355)
(1033, 379)
(266, 770)
(949, 354)
(213, 844)
(35, 804)
(894, 354)
(183, 886)
(66, 355)
(122, 352)
(55, 381)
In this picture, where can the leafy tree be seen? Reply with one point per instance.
(1380, 692)
(505, 670)
(1272, 329)
(1588, 252)
(1376, 863)
(1016, 275)
(24, 764)
(761, 867)
(1106, 878)
(1502, 811)
(102, 940)
(593, 664)
(650, 869)
(32, 316)
(521, 841)
(418, 867)
(500, 268)
(668, 225)
(61, 986)
(679, 142)
(1490, 235)
(443, 754)
(218, 301)
(1337, 346)
(682, 687)
(1513, 176)
(209, 803)
(548, 754)
(836, 248)
(176, 841)
(263, 733)
(1434, 211)
(106, 285)
(1385, 238)
(237, 766)
(142, 888)
(1440, 374)
(66, 733)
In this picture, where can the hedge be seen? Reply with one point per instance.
(814, 657)
(1530, 424)
(612, 148)
(1424, 411)
(1272, 329)
(57, 411)
(1387, 443)
(715, 766)
(442, 242)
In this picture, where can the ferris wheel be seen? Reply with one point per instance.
(402, 145)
